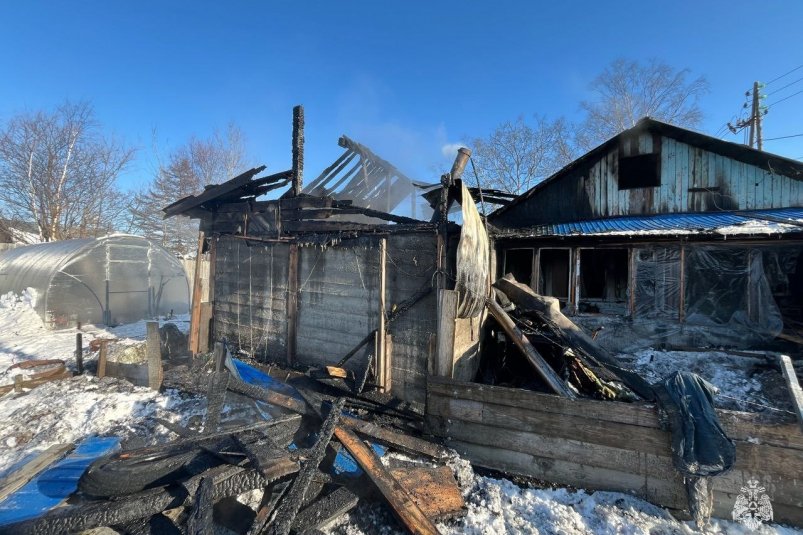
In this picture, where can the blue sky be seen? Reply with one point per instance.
(405, 78)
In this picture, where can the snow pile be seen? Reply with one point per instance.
(14, 301)
(66, 411)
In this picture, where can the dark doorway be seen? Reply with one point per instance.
(519, 262)
(603, 280)
(554, 273)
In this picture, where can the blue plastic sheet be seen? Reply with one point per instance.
(55, 484)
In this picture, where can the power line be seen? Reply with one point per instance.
(785, 98)
(785, 74)
(782, 137)
(784, 87)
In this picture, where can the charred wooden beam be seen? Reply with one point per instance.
(331, 171)
(565, 329)
(400, 501)
(298, 149)
(200, 520)
(326, 509)
(404, 443)
(293, 500)
(542, 368)
(211, 193)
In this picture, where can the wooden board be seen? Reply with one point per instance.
(399, 499)
(434, 490)
(153, 348)
(447, 312)
(195, 312)
(18, 478)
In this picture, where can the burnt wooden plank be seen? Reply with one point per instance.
(533, 357)
(326, 509)
(294, 498)
(400, 501)
(212, 192)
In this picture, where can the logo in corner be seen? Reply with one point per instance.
(752, 507)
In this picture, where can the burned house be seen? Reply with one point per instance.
(328, 274)
(665, 235)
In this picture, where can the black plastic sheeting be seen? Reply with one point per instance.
(700, 447)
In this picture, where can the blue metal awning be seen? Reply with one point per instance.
(746, 223)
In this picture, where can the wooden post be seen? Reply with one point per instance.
(682, 296)
(631, 283)
(298, 149)
(153, 350)
(447, 312)
(575, 280)
(382, 364)
(793, 385)
(292, 303)
(195, 314)
(103, 354)
(18, 383)
(535, 359)
(79, 353)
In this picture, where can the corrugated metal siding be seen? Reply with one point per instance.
(593, 191)
(671, 223)
(250, 306)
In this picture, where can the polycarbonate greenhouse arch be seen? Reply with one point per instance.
(105, 281)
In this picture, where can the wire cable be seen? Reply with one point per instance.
(782, 137)
(785, 98)
(784, 87)
(785, 74)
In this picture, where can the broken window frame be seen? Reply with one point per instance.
(572, 267)
(533, 276)
(578, 277)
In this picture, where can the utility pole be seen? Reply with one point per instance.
(757, 111)
(757, 114)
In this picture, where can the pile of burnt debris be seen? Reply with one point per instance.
(313, 455)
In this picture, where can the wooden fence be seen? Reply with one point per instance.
(601, 445)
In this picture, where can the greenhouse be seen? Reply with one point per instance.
(105, 281)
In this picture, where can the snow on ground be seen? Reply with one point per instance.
(23, 336)
(500, 507)
(66, 411)
(745, 383)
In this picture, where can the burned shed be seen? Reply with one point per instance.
(105, 281)
(327, 274)
(688, 238)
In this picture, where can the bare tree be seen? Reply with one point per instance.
(517, 155)
(185, 172)
(58, 170)
(626, 91)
